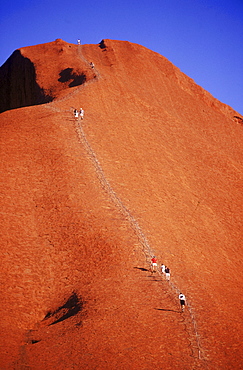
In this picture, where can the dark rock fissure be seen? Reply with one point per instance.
(71, 307)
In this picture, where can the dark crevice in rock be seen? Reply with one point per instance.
(102, 44)
(67, 75)
(71, 307)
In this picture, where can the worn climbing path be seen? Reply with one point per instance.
(148, 252)
(189, 319)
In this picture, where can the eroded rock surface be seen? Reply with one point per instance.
(155, 167)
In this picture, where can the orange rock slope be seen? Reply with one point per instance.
(155, 167)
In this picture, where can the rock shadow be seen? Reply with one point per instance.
(238, 119)
(33, 341)
(141, 268)
(164, 309)
(67, 75)
(102, 44)
(70, 308)
(18, 85)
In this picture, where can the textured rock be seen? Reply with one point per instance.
(155, 167)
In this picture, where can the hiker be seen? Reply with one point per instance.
(91, 64)
(182, 299)
(75, 113)
(78, 42)
(167, 273)
(81, 112)
(153, 264)
(163, 269)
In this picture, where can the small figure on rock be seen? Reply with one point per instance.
(163, 269)
(153, 264)
(81, 113)
(167, 273)
(182, 299)
(91, 64)
(78, 41)
(75, 113)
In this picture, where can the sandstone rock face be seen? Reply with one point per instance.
(35, 75)
(155, 167)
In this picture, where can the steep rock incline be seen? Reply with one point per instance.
(178, 163)
(75, 276)
(155, 157)
(37, 74)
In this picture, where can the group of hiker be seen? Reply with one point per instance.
(154, 265)
(79, 113)
(91, 63)
(165, 270)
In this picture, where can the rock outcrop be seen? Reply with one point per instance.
(36, 75)
(155, 167)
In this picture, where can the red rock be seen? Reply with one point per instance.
(154, 168)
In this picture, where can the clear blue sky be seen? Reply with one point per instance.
(204, 38)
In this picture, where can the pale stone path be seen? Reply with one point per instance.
(193, 332)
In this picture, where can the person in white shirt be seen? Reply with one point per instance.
(81, 112)
(163, 269)
(182, 299)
